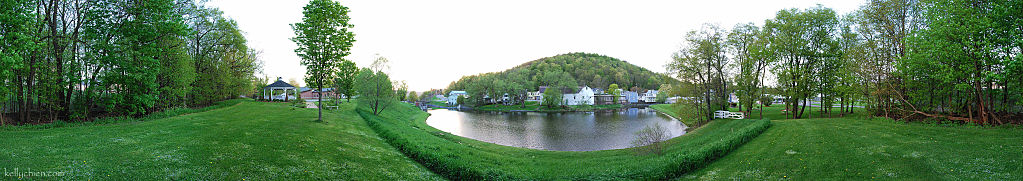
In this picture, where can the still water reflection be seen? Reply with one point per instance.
(573, 131)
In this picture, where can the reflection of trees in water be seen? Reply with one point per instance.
(559, 131)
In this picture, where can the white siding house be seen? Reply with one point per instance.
(583, 97)
(649, 96)
(453, 97)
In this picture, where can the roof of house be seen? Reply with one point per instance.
(279, 84)
(457, 92)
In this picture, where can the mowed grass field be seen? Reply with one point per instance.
(857, 148)
(248, 141)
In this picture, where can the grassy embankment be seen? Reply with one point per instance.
(857, 148)
(462, 158)
(247, 141)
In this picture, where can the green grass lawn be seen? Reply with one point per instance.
(773, 112)
(860, 149)
(248, 141)
(462, 158)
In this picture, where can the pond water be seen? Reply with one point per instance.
(571, 131)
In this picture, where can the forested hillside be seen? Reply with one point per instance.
(565, 70)
(76, 60)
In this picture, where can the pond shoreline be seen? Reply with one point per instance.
(561, 109)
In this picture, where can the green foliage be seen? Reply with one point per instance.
(460, 100)
(552, 97)
(412, 96)
(807, 44)
(766, 100)
(700, 67)
(966, 62)
(400, 90)
(664, 92)
(18, 43)
(459, 158)
(565, 70)
(118, 58)
(614, 90)
(324, 39)
(344, 79)
(752, 56)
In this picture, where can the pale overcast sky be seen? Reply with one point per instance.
(431, 43)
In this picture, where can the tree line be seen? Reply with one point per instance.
(79, 59)
(903, 59)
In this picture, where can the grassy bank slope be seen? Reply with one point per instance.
(860, 149)
(251, 141)
(466, 159)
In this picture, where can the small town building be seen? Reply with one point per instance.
(583, 97)
(453, 97)
(650, 96)
(631, 97)
(605, 99)
(536, 96)
(312, 94)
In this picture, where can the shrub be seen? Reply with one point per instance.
(649, 140)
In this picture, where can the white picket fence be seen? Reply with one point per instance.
(729, 115)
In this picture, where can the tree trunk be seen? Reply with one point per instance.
(319, 101)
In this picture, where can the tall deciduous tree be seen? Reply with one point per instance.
(804, 40)
(375, 90)
(752, 56)
(401, 90)
(615, 91)
(324, 39)
(700, 63)
(413, 96)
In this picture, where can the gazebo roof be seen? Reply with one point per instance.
(279, 84)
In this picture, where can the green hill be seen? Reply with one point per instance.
(570, 70)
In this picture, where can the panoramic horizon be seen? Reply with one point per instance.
(651, 90)
(428, 37)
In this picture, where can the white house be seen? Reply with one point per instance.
(536, 96)
(583, 97)
(453, 97)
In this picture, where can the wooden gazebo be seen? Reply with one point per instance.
(278, 85)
